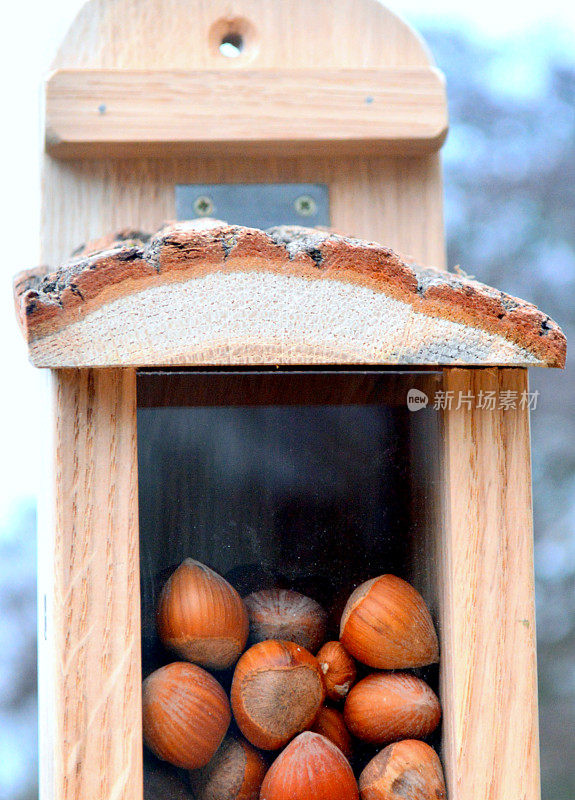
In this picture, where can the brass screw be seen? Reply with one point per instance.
(203, 206)
(305, 206)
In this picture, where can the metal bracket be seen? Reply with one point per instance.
(257, 205)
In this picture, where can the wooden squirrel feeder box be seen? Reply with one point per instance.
(275, 395)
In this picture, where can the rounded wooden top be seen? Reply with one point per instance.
(187, 34)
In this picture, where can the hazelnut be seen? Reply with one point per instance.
(287, 616)
(277, 691)
(235, 772)
(185, 714)
(330, 723)
(338, 669)
(310, 768)
(409, 769)
(385, 707)
(387, 625)
(201, 617)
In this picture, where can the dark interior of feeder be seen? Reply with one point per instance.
(307, 480)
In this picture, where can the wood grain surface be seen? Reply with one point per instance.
(489, 675)
(203, 292)
(387, 199)
(93, 113)
(486, 602)
(91, 674)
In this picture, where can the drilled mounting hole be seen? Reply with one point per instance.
(232, 45)
(234, 38)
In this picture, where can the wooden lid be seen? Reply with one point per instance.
(208, 293)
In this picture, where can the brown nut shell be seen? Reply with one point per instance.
(201, 617)
(277, 691)
(310, 768)
(408, 769)
(287, 616)
(330, 723)
(387, 625)
(338, 670)
(235, 772)
(385, 707)
(185, 714)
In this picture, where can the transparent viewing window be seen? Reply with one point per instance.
(310, 481)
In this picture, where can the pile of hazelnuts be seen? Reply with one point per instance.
(299, 708)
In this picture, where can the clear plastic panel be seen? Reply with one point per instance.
(307, 480)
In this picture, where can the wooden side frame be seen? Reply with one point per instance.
(90, 669)
(488, 666)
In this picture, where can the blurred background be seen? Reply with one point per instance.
(510, 217)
